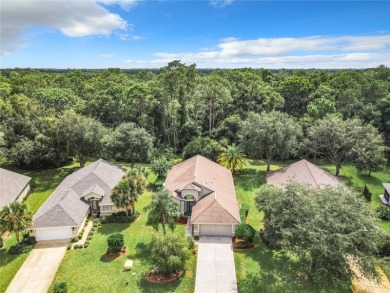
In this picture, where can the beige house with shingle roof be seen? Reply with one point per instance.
(303, 172)
(206, 193)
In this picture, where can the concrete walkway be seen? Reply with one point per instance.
(188, 227)
(86, 232)
(38, 271)
(215, 270)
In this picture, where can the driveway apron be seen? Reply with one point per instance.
(215, 270)
(38, 271)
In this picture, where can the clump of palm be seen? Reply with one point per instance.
(126, 193)
(233, 158)
(162, 210)
(16, 218)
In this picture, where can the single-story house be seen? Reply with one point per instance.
(205, 191)
(88, 189)
(385, 197)
(13, 186)
(303, 172)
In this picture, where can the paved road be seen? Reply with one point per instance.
(38, 270)
(215, 270)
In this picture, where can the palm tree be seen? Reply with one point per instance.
(232, 158)
(15, 217)
(126, 193)
(163, 209)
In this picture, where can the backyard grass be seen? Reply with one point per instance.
(87, 270)
(265, 270)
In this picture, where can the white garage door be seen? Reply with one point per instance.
(215, 230)
(53, 233)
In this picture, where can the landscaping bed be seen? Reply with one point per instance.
(156, 277)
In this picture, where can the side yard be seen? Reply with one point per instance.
(265, 270)
(87, 270)
(44, 182)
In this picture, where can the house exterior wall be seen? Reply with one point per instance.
(23, 194)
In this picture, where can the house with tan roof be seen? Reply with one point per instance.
(63, 214)
(303, 172)
(13, 187)
(205, 191)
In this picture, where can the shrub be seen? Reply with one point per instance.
(1, 242)
(86, 242)
(89, 238)
(86, 245)
(245, 232)
(60, 287)
(191, 242)
(383, 212)
(69, 247)
(244, 212)
(243, 245)
(367, 194)
(115, 242)
(168, 253)
(20, 248)
(384, 246)
(75, 239)
(77, 246)
(120, 217)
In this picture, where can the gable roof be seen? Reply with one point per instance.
(66, 206)
(220, 205)
(11, 186)
(303, 172)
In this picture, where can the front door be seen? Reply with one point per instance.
(95, 205)
(188, 207)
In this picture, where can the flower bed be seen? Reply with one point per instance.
(157, 277)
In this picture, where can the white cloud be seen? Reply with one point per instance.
(106, 55)
(72, 18)
(307, 52)
(229, 39)
(221, 3)
(124, 4)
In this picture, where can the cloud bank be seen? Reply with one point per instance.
(73, 18)
(305, 52)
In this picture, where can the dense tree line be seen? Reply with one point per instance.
(48, 117)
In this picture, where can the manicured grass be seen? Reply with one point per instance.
(9, 264)
(265, 270)
(86, 270)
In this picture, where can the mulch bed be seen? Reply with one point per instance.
(182, 221)
(110, 256)
(236, 240)
(162, 278)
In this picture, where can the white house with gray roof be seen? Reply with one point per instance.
(13, 186)
(87, 190)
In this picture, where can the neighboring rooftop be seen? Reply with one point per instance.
(219, 205)
(303, 172)
(66, 206)
(11, 186)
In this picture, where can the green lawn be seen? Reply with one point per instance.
(43, 184)
(265, 270)
(86, 270)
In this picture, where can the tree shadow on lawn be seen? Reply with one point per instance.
(280, 272)
(250, 179)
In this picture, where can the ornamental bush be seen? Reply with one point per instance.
(115, 242)
(169, 254)
(60, 288)
(245, 232)
(383, 212)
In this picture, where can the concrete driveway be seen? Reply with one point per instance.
(39, 269)
(215, 270)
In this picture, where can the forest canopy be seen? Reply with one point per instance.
(47, 117)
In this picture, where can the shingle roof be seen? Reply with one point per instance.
(219, 204)
(66, 206)
(11, 186)
(303, 172)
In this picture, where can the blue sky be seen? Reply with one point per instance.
(225, 34)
